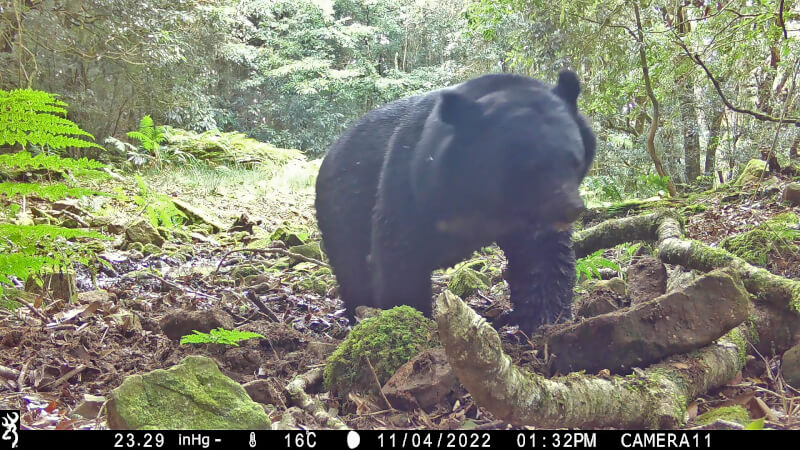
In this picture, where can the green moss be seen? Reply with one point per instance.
(774, 236)
(738, 338)
(752, 172)
(736, 414)
(310, 250)
(467, 281)
(218, 147)
(389, 340)
(192, 395)
(151, 249)
(694, 209)
(247, 270)
(314, 285)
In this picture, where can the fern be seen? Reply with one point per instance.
(219, 336)
(150, 136)
(160, 210)
(587, 267)
(21, 266)
(26, 250)
(35, 117)
(48, 192)
(24, 160)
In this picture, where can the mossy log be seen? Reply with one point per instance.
(653, 398)
(296, 391)
(664, 227)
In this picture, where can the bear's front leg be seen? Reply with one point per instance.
(401, 272)
(541, 275)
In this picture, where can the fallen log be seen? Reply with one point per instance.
(644, 334)
(653, 398)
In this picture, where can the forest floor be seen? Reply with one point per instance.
(103, 338)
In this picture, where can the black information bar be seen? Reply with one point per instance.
(398, 439)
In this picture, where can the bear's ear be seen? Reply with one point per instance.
(457, 110)
(568, 88)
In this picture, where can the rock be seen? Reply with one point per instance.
(126, 321)
(679, 279)
(199, 215)
(616, 285)
(467, 281)
(648, 332)
(143, 232)
(99, 295)
(791, 193)
(321, 349)
(752, 172)
(604, 296)
(601, 301)
(70, 205)
(310, 250)
(313, 284)
(57, 285)
(262, 391)
(242, 359)
(116, 228)
(180, 323)
(151, 249)
(647, 279)
(244, 223)
(790, 366)
(193, 395)
(89, 408)
(289, 235)
(389, 340)
(423, 382)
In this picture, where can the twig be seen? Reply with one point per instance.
(181, 287)
(9, 373)
(22, 374)
(279, 251)
(36, 312)
(378, 383)
(262, 307)
(715, 82)
(296, 391)
(63, 378)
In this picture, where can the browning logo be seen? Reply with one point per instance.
(9, 420)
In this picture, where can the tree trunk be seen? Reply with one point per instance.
(687, 106)
(714, 136)
(651, 134)
(691, 137)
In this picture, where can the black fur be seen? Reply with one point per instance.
(424, 181)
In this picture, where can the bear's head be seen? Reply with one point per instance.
(516, 153)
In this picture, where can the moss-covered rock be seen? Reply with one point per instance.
(313, 284)
(310, 250)
(389, 340)
(150, 249)
(752, 172)
(736, 414)
(467, 281)
(790, 366)
(144, 232)
(217, 147)
(290, 235)
(246, 270)
(755, 246)
(193, 395)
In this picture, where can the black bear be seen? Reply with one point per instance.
(424, 181)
